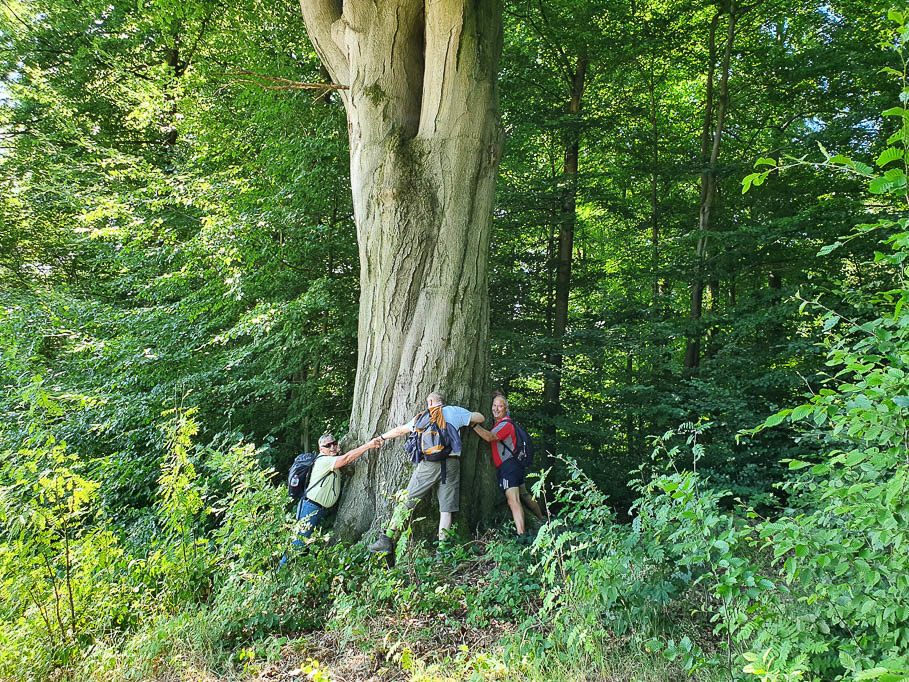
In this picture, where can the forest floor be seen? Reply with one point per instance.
(326, 656)
(385, 660)
(386, 646)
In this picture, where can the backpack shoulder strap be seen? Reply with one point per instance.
(319, 482)
(502, 441)
(420, 415)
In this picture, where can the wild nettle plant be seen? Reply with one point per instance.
(843, 547)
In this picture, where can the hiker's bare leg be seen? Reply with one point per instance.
(530, 503)
(445, 521)
(517, 511)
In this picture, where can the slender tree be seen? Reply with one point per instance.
(711, 135)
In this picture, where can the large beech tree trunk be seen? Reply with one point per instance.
(425, 142)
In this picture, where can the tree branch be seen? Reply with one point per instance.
(16, 16)
(192, 50)
(284, 83)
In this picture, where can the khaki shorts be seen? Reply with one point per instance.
(427, 474)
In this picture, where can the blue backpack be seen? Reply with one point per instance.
(523, 446)
(300, 471)
(428, 440)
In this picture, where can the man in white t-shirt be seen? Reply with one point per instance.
(427, 474)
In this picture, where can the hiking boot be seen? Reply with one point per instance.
(383, 545)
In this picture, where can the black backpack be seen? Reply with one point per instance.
(428, 440)
(300, 471)
(523, 446)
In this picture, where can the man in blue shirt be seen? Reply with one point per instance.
(427, 474)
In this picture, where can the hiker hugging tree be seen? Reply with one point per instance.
(418, 81)
(435, 447)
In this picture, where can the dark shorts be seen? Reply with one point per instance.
(510, 474)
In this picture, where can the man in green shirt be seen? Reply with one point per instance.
(325, 481)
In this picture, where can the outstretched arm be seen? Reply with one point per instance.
(395, 432)
(488, 436)
(350, 456)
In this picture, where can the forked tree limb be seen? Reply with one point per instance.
(320, 17)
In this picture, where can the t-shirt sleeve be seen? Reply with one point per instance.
(456, 416)
(409, 424)
(504, 430)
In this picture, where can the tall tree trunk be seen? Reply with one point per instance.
(425, 142)
(711, 134)
(552, 385)
(629, 410)
(658, 288)
(710, 333)
(177, 68)
(775, 331)
(178, 60)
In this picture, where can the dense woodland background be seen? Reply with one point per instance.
(179, 283)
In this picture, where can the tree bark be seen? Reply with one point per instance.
(552, 385)
(177, 69)
(658, 287)
(425, 142)
(711, 134)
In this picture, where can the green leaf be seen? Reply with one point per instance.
(765, 161)
(830, 322)
(879, 185)
(653, 645)
(830, 247)
(795, 464)
(823, 150)
(899, 306)
(895, 111)
(801, 412)
(898, 136)
(889, 154)
(895, 16)
(747, 180)
(896, 176)
(777, 418)
(901, 400)
(847, 660)
(854, 458)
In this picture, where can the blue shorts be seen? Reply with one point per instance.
(510, 474)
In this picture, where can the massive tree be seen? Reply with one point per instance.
(418, 82)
